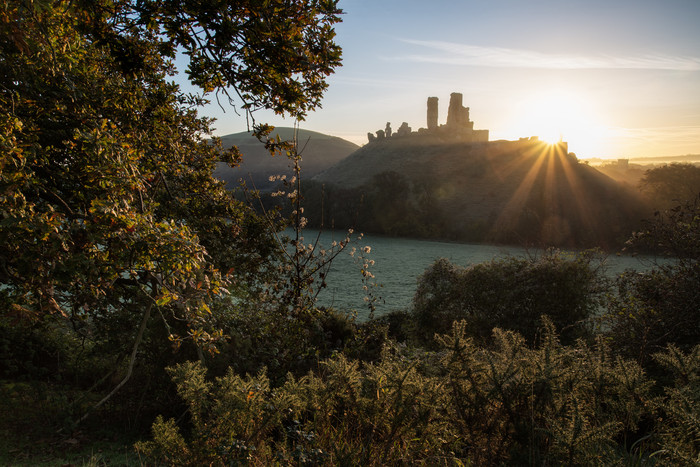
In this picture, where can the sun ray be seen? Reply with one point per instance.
(510, 213)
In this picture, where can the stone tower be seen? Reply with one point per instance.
(432, 113)
(458, 115)
(455, 113)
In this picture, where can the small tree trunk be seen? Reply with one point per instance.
(132, 360)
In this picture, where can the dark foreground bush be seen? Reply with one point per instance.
(653, 309)
(511, 293)
(659, 307)
(512, 404)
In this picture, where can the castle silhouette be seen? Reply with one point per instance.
(458, 126)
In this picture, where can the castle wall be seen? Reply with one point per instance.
(480, 136)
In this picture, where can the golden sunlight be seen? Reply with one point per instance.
(559, 115)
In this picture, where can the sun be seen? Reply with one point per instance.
(556, 115)
(549, 118)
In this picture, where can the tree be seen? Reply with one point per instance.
(672, 184)
(110, 217)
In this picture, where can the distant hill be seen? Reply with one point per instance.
(519, 192)
(651, 160)
(319, 152)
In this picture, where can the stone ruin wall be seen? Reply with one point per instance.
(457, 127)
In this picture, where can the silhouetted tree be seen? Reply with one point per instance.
(672, 184)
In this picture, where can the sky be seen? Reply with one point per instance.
(613, 78)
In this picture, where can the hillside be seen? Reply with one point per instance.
(319, 152)
(523, 192)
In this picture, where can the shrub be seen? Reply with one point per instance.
(511, 293)
(653, 309)
(650, 310)
(512, 404)
(382, 414)
(551, 405)
(680, 425)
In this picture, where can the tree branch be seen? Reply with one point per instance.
(132, 360)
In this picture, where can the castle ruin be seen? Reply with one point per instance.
(458, 126)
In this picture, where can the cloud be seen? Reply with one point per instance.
(451, 53)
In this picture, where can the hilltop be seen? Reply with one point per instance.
(448, 182)
(319, 152)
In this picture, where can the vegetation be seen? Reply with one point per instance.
(469, 199)
(136, 292)
(668, 185)
(512, 293)
(511, 404)
(649, 311)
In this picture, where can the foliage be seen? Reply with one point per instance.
(279, 326)
(265, 335)
(674, 232)
(390, 204)
(552, 404)
(659, 307)
(111, 222)
(28, 435)
(650, 310)
(511, 293)
(522, 194)
(669, 185)
(118, 247)
(512, 404)
(680, 428)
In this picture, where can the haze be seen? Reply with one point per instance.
(614, 79)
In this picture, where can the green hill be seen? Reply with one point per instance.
(522, 192)
(319, 152)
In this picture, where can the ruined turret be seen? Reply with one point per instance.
(404, 129)
(432, 113)
(458, 115)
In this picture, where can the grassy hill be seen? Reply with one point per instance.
(523, 192)
(319, 152)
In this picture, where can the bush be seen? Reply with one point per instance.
(659, 307)
(264, 335)
(513, 404)
(653, 309)
(552, 405)
(680, 424)
(511, 293)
